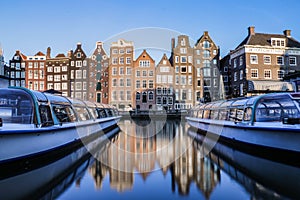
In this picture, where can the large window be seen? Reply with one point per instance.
(206, 44)
(280, 60)
(280, 74)
(293, 61)
(267, 60)
(254, 73)
(253, 59)
(267, 74)
(206, 54)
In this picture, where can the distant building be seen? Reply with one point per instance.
(98, 75)
(4, 82)
(144, 71)
(36, 72)
(165, 95)
(121, 77)
(17, 69)
(225, 71)
(260, 62)
(79, 73)
(58, 73)
(206, 64)
(182, 60)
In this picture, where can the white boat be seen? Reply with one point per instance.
(36, 124)
(270, 121)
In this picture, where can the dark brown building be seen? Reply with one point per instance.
(17, 69)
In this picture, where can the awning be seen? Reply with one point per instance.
(270, 86)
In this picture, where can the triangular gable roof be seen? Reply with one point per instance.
(39, 54)
(164, 57)
(145, 52)
(205, 36)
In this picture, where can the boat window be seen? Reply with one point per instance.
(232, 114)
(239, 114)
(16, 108)
(214, 114)
(46, 117)
(109, 113)
(101, 113)
(206, 114)
(223, 114)
(64, 113)
(83, 113)
(247, 114)
(93, 112)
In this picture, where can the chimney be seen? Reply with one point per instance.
(70, 53)
(172, 43)
(251, 30)
(287, 33)
(18, 52)
(48, 53)
(78, 44)
(205, 33)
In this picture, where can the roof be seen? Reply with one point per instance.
(166, 59)
(264, 39)
(144, 54)
(39, 54)
(60, 55)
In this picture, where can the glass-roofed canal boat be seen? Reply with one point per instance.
(35, 124)
(270, 121)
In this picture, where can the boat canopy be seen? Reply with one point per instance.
(263, 108)
(23, 106)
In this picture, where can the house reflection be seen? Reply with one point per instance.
(137, 150)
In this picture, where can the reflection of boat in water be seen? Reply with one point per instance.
(262, 177)
(49, 179)
(34, 124)
(270, 121)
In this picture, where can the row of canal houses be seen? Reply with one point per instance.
(191, 74)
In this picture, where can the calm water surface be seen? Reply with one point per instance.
(167, 160)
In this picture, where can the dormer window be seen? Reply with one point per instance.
(278, 42)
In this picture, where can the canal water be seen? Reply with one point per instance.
(155, 159)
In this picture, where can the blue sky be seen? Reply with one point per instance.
(32, 26)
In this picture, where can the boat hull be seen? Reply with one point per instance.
(23, 144)
(284, 138)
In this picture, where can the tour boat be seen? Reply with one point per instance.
(35, 124)
(270, 121)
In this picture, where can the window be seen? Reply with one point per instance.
(128, 82)
(225, 79)
(267, 60)
(138, 84)
(206, 44)
(198, 52)
(292, 61)
(215, 52)
(190, 80)
(176, 59)
(253, 59)
(128, 60)
(114, 51)
(198, 82)
(84, 74)
(183, 69)
(280, 74)
(183, 80)
(49, 69)
(235, 76)
(78, 63)
(206, 54)
(214, 61)
(78, 86)
(280, 60)
(207, 82)
(278, 42)
(121, 70)
(177, 69)
(254, 73)
(267, 74)
(170, 79)
(158, 91)
(150, 73)
(158, 100)
(121, 82)
(121, 51)
(78, 74)
(190, 59)
(121, 60)
(234, 63)
(241, 61)
(122, 98)
(128, 51)
(114, 71)
(225, 69)
(128, 94)
(144, 84)
(114, 61)
(64, 68)
(151, 85)
(206, 63)
(138, 73)
(30, 74)
(190, 69)
(151, 96)
(114, 95)
(144, 73)
(198, 72)
(50, 78)
(56, 78)
(114, 82)
(206, 72)
(241, 74)
(128, 70)
(183, 59)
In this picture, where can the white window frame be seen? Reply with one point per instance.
(255, 61)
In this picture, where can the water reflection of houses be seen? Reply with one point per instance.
(138, 148)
